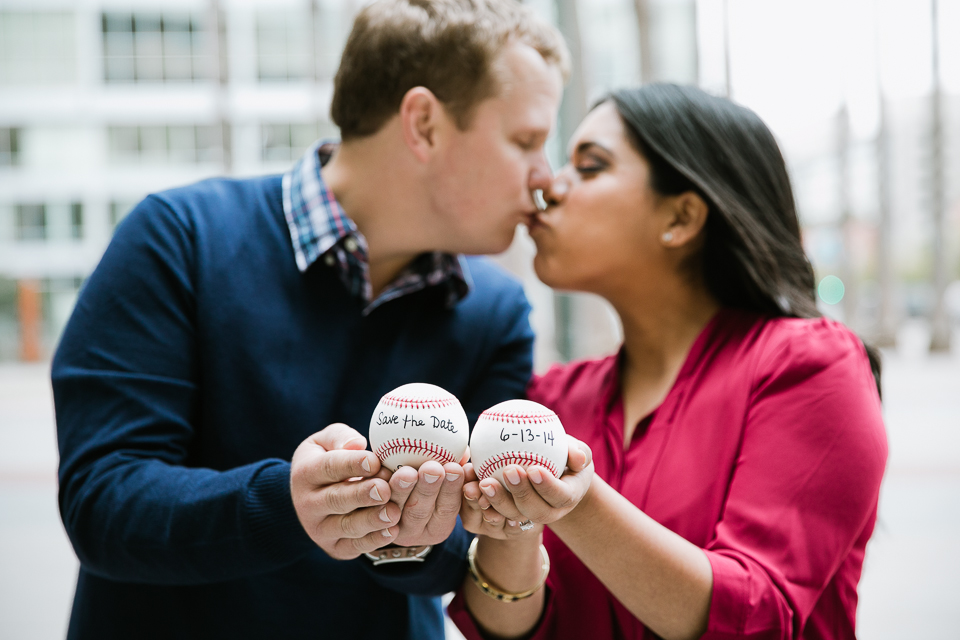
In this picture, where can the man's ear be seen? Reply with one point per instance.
(689, 214)
(420, 115)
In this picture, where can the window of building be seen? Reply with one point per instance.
(31, 221)
(48, 221)
(283, 45)
(153, 47)
(184, 144)
(119, 210)
(37, 47)
(9, 146)
(287, 142)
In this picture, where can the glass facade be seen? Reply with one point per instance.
(153, 47)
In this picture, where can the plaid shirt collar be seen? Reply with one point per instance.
(320, 228)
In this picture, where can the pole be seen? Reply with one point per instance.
(939, 323)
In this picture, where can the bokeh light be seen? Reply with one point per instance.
(831, 289)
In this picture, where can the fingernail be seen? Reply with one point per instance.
(490, 491)
(512, 523)
(386, 533)
(375, 494)
(366, 465)
(405, 485)
(512, 476)
(452, 477)
(535, 475)
(430, 478)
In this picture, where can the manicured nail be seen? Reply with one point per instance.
(430, 478)
(405, 485)
(366, 465)
(452, 477)
(490, 491)
(512, 476)
(383, 515)
(512, 523)
(375, 494)
(535, 475)
(386, 533)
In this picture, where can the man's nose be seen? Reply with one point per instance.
(540, 174)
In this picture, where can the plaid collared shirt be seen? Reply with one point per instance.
(319, 228)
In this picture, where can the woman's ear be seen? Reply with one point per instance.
(688, 215)
(420, 114)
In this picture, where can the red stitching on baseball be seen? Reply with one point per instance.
(408, 445)
(402, 402)
(514, 457)
(521, 418)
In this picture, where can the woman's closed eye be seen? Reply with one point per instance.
(589, 167)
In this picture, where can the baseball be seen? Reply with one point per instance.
(417, 422)
(517, 432)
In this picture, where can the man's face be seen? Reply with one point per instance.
(483, 177)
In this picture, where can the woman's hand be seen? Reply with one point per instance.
(531, 494)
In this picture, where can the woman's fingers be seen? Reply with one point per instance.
(579, 455)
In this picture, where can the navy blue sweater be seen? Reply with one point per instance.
(196, 360)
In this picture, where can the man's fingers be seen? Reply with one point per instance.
(402, 482)
(339, 465)
(338, 436)
(361, 522)
(349, 548)
(346, 497)
(451, 487)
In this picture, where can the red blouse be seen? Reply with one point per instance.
(767, 453)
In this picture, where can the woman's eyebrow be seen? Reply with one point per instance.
(587, 145)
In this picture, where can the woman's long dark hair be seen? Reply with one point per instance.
(753, 257)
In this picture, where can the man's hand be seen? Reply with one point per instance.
(341, 495)
(430, 500)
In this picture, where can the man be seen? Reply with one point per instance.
(231, 319)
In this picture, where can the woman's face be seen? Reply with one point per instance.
(602, 231)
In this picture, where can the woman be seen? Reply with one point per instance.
(725, 464)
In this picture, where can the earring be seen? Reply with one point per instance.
(668, 236)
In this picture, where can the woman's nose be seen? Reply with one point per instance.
(557, 189)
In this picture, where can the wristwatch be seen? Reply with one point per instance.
(394, 553)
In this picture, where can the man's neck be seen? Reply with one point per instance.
(379, 189)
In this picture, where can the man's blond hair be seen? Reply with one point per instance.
(447, 46)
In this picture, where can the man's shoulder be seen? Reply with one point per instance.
(222, 195)
(490, 279)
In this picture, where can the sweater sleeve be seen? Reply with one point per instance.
(125, 382)
(804, 488)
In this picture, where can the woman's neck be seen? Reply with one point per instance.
(658, 332)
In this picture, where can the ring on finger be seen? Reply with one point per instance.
(526, 525)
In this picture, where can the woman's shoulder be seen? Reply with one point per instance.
(794, 350)
(574, 382)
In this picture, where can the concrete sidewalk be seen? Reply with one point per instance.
(911, 581)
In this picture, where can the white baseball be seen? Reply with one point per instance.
(417, 422)
(519, 432)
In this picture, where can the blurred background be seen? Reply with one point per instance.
(105, 101)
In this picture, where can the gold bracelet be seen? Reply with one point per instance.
(496, 593)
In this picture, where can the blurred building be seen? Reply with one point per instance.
(105, 101)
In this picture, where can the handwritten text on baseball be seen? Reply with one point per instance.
(414, 421)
